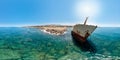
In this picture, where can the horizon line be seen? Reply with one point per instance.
(24, 25)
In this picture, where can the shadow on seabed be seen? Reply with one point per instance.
(85, 46)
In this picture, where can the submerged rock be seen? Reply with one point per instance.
(8, 54)
(73, 56)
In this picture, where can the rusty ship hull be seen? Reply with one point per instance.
(77, 37)
(81, 32)
(82, 43)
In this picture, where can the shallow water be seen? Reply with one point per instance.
(33, 44)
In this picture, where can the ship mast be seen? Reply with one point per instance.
(85, 20)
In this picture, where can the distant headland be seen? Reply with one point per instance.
(52, 29)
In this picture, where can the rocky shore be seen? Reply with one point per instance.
(53, 29)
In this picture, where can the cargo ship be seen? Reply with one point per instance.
(81, 32)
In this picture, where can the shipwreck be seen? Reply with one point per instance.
(81, 32)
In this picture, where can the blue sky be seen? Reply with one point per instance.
(39, 12)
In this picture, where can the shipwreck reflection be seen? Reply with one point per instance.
(85, 46)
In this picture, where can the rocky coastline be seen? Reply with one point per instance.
(53, 29)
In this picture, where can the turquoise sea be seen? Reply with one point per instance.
(18, 43)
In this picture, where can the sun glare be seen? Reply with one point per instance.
(87, 8)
